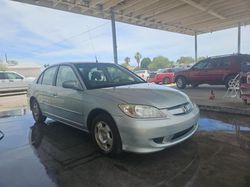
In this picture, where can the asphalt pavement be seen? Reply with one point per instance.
(54, 154)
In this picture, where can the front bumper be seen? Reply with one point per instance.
(150, 135)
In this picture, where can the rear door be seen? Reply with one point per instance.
(67, 103)
(216, 70)
(44, 89)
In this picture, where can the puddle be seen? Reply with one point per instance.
(14, 112)
(212, 121)
(206, 124)
(236, 126)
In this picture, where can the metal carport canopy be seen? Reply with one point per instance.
(190, 17)
(181, 16)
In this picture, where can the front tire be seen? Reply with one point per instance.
(181, 82)
(36, 112)
(166, 80)
(106, 135)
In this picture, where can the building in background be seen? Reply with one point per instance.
(27, 69)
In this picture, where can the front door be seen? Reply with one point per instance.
(198, 73)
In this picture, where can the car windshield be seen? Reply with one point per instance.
(103, 75)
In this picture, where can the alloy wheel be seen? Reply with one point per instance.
(104, 136)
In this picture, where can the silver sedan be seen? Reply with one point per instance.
(119, 109)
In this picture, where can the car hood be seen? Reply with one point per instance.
(182, 71)
(146, 94)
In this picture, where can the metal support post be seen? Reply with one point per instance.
(114, 36)
(239, 37)
(195, 46)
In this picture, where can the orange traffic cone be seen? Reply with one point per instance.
(212, 95)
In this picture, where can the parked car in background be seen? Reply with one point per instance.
(119, 109)
(143, 73)
(218, 70)
(11, 79)
(164, 76)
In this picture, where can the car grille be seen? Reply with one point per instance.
(181, 109)
(181, 133)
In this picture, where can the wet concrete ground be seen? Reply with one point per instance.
(54, 154)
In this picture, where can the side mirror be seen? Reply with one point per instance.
(72, 85)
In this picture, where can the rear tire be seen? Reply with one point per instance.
(105, 135)
(166, 80)
(181, 82)
(36, 111)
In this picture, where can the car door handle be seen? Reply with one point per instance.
(54, 95)
(11, 80)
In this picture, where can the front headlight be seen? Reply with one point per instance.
(141, 111)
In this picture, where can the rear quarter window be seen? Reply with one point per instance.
(40, 79)
(49, 76)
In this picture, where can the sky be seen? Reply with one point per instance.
(47, 36)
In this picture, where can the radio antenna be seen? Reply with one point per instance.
(93, 47)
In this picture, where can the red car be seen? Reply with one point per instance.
(165, 76)
(219, 70)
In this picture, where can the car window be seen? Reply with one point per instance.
(201, 65)
(98, 75)
(65, 73)
(141, 71)
(167, 71)
(175, 70)
(221, 63)
(225, 62)
(48, 76)
(2, 76)
(117, 75)
(13, 76)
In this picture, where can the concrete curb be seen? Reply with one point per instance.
(223, 109)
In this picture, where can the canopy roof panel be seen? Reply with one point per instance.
(181, 16)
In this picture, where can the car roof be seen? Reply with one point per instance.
(61, 63)
(68, 63)
(228, 55)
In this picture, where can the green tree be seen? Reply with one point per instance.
(138, 58)
(160, 62)
(145, 62)
(3, 67)
(185, 60)
(126, 62)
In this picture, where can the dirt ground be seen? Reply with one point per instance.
(12, 102)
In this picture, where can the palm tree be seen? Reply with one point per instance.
(138, 58)
(127, 60)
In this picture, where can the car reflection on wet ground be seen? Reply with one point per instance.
(54, 154)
